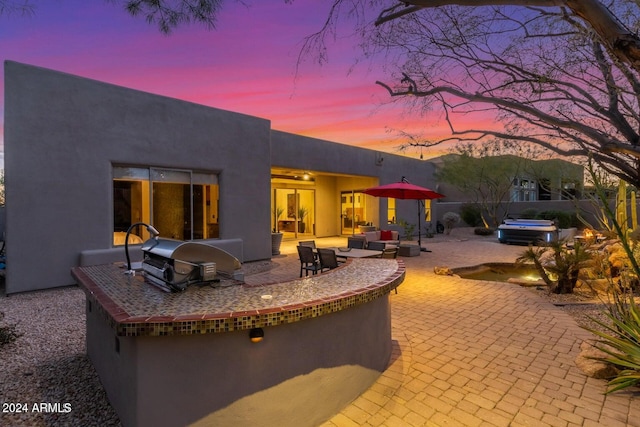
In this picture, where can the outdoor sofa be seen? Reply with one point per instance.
(390, 238)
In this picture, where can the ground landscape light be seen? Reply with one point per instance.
(256, 335)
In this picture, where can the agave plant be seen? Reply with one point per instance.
(533, 255)
(560, 275)
(620, 340)
(277, 213)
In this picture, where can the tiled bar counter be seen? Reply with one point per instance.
(175, 359)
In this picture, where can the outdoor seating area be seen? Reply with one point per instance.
(321, 259)
(391, 248)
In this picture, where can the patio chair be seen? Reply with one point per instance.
(376, 246)
(328, 259)
(390, 253)
(355, 243)
(311, 244)
(308, 260)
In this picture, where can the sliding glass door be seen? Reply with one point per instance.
(353, 211)
(293, 212)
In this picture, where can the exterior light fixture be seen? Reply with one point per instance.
(256, 335)
(305, 176)
(154, 234)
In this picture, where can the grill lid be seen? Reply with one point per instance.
(174, 264)
(193, 252)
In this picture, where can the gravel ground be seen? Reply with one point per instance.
(48, 364)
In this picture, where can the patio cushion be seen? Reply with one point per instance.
(370, 236)
(386, 235)
(392, 238)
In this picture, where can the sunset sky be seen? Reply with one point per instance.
(247, 65)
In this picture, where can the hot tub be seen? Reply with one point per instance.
(527, 231)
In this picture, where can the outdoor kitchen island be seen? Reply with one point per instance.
(174, 359)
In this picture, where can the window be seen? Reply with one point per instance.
(523, 190)
(180, 204)
(570, 190)
(427, 210)
(391, 211)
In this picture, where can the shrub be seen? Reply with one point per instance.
(620, 340)
(558, 265)
(483, 231)
(408, 229)
(565, 219)
(450, 219)
(471, 214)
(529, 213)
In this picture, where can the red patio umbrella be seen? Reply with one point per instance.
(405, 190)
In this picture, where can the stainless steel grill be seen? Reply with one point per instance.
(172, 265)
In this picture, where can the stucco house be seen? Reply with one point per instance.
(525, 180)
(510, 185)
(85, 159)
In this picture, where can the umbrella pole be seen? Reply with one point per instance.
(420, 229)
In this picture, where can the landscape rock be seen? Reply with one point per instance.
(591, 367)
(443, 271)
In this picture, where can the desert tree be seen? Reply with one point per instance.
(165, 14)
(548, 73)
(10, 7)
(169, 14)
(485, 172)
(485, 175)
(561, 74)
(607, 23)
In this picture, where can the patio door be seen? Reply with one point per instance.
(353, 211)
(293, 212)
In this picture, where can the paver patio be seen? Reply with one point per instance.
(476, 353)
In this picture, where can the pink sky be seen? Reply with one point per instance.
(247, 65)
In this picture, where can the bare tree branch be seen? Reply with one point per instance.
(22, 7)
(619, 39)
(548, 75)
(169, 14)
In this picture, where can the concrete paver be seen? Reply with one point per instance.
(477, 353)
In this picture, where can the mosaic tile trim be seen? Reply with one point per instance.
(133, 307)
